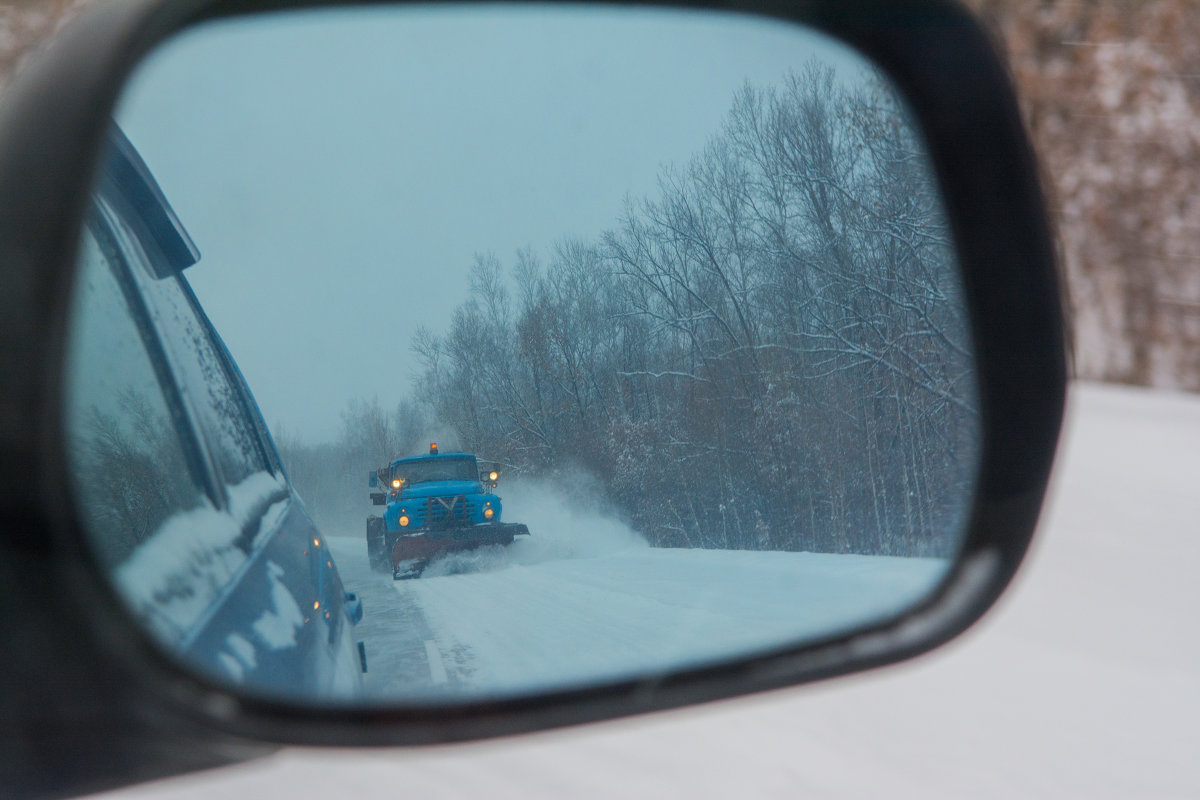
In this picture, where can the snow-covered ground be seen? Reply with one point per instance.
(1084, 683)
(567, 606)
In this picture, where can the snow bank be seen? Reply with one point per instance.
(642, 611)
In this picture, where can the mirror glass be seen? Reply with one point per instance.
(447, 353)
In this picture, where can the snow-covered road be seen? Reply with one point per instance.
(542, 613)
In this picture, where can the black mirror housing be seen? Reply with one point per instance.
(67, 630)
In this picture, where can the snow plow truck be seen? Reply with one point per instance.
(435, 503)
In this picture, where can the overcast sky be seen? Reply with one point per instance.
(338, 170)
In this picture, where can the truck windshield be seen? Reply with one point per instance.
(438, 468)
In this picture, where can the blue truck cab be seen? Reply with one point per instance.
(435, 503)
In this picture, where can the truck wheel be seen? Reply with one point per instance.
(377, 551)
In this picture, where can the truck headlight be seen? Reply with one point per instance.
(403, 520)
(488, 513)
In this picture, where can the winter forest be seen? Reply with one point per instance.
(769, 353)
(1111, 104)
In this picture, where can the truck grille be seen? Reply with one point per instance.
(444, 512)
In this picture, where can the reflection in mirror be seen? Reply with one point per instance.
(672, 292)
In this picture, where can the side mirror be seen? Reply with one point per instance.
(353, 607)
(797, 247)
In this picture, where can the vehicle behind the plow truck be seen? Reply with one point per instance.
(436, 503)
